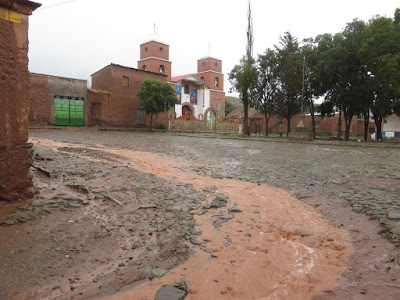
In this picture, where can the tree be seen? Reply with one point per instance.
(267, 85)
(243, 76)
(381, 56)
(156, 97)
(344, 74)
(312, 88)
(290, 76)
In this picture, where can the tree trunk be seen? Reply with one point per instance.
(246, 118)
(266, 122)
(339, 133)
(288, 126)
(378, 123)
(347, 121)
(151, 122)
(311, 106)
(366, 125)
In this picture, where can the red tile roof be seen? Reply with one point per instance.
(177, 78)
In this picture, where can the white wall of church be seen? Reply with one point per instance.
(199, 108)
(178, 110)
(206, 99)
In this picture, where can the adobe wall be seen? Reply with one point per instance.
(201, 126)
(15, 161)
(99, 106)
(124, 103)
(44, 87)
(40, 101)
(327, 125)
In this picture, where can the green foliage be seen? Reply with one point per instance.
(289, 73)
(243, 79)
(229, 107)
(265, 100)
(156, 97)
(163, 126)
(381, 55)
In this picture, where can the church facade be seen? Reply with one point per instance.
(112, 100)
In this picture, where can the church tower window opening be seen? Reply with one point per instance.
(161, 49)
(162, 69)
(144, 67)
(216, 81)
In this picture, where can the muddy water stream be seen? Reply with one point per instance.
(277, 247)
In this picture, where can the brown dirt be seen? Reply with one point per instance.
(271, 246)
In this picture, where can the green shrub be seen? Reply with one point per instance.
(163, 126)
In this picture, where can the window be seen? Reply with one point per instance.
(216, 64)
(146, 49)
(202, 78)
(145, 67)
(161, 49)
(186, 89)
(162, 69)
(125, 81)
(203, 63)
(216, 81)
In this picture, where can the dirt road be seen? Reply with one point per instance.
(129, 212)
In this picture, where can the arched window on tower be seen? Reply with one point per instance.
(202, 78)
(162, 69)
(146, 49)
(144, 67)
(161, 49)
(216, 81)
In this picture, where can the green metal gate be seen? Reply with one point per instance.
(69, 111)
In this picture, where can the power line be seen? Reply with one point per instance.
(55, 5)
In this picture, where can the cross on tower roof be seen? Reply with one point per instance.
(155, 33)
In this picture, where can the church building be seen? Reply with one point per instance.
(112, 100)
(200, 95)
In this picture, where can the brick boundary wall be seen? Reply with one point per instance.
(201, 126)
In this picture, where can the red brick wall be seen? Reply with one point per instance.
(209, 64)
(217, 98)
(39, 96)
(99, 107)
(153, 50)
(15, 161)
(327, 125)
(209, 79)
(153, 65)
(122, 110)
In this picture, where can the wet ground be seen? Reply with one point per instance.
(116, 211)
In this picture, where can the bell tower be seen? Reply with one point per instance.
(154, 57)
(209, 69)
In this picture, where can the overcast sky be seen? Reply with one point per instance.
(75, 38)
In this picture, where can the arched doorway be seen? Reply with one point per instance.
(211, 120)
(186, 112)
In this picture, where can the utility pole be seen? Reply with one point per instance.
(302, 87)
